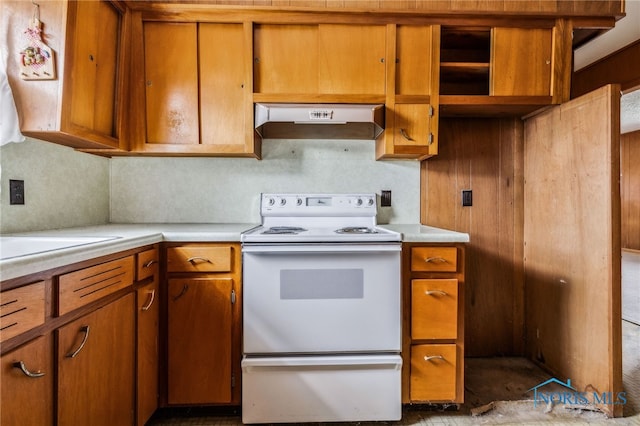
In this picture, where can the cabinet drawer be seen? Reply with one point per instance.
(433, 372)
(147, 264)
(434, 259)
(21, 309)
(199, 259)
(434, 309)
(78, 288)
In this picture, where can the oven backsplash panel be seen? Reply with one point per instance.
(227, 190)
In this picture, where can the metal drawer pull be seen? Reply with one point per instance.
(184, 290)
(198, 259)
(405, 135)
(432, 292)
(26, 372)
(84, 329)
(150, 263)
(148, 305)
(429, 358)
(435, 259)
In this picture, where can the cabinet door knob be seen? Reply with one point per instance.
(84, 329)
(150, 263)
(198, 259)
(435, 260)
(432, 292)
(182, 292)
(152, 296)
(34, 375)
(431, 357)
(404, 134)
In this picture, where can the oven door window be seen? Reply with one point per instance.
(305, 284)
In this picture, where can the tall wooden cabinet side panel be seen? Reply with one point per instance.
(96, 366)
(28, 400)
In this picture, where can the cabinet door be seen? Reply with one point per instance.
(351, 59)
(148, 316)
(94, 57)
(520, 62)
(199, 340)
(285, 59)
(414, 56)
(96, 362)
(222, 94)
(28, 400)
(171, 79)
(413, 128)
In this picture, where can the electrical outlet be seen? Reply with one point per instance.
(467, 198)
(385, 198)
(16, 191)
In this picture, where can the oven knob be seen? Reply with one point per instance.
(370, 202)
(359, 202)
(299, 202)
(283, 201)
(271, 201)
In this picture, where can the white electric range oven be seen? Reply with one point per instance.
(321, 312)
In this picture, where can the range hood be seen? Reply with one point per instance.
(319, 121)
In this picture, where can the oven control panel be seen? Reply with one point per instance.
(318, 205)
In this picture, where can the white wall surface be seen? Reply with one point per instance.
(626, 31)
(226, 190)
(63, 188)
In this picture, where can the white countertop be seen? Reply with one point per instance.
(113, 238)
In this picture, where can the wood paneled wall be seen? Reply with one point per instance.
(485, 156)
(630, 189)
(621, 67)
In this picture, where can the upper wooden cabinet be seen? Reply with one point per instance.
(81, 107)
(196, 99)
(314, 59)
(412, 93)
(497, 71)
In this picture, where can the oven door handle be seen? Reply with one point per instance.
(320, 248)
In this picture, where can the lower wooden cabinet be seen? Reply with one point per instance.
(433, 344)
(27, 379)
(204, 326)
(96, 366)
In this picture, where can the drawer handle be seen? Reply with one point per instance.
(84, 329)
(429, 358)
(197, 259)
(150, 263)
(182, 292)
(432, 292)
(26, 372)
(404, 134)
(148, 305)
(435, 260)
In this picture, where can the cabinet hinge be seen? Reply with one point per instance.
(430, 138)
(233, 380)
(233, 297)
(431, 110)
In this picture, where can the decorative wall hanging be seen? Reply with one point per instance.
(37, 61)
